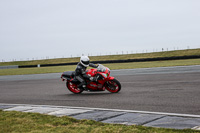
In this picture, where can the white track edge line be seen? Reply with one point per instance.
(104, 109)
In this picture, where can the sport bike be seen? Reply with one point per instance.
(104, 81)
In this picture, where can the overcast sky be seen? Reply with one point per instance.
(61, 28)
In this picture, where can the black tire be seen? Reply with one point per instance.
(113, 86)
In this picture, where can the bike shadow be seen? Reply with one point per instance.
(89, 94)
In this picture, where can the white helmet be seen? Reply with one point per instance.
(85, 61)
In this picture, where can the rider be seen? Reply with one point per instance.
(80, 72)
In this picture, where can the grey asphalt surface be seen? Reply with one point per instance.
(170, 89)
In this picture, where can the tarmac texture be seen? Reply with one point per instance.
(174, 90)
(171, 90)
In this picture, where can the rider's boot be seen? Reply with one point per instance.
(82, 86)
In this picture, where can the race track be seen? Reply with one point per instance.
(170, 89)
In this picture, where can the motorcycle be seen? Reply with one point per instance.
(104, 81)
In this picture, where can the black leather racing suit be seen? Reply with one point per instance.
(80, 74)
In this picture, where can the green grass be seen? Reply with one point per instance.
(108, 57)
(58, 69)
(22, 71)
(19, 122)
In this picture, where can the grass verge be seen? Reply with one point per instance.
(133, 65)
(188, 52)
(12, 121)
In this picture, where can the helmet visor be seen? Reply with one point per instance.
(86, 62)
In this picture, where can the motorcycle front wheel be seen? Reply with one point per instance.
(73, 87)
(113, 86)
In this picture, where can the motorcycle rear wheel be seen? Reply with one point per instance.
(73, 87)
(113, 86)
